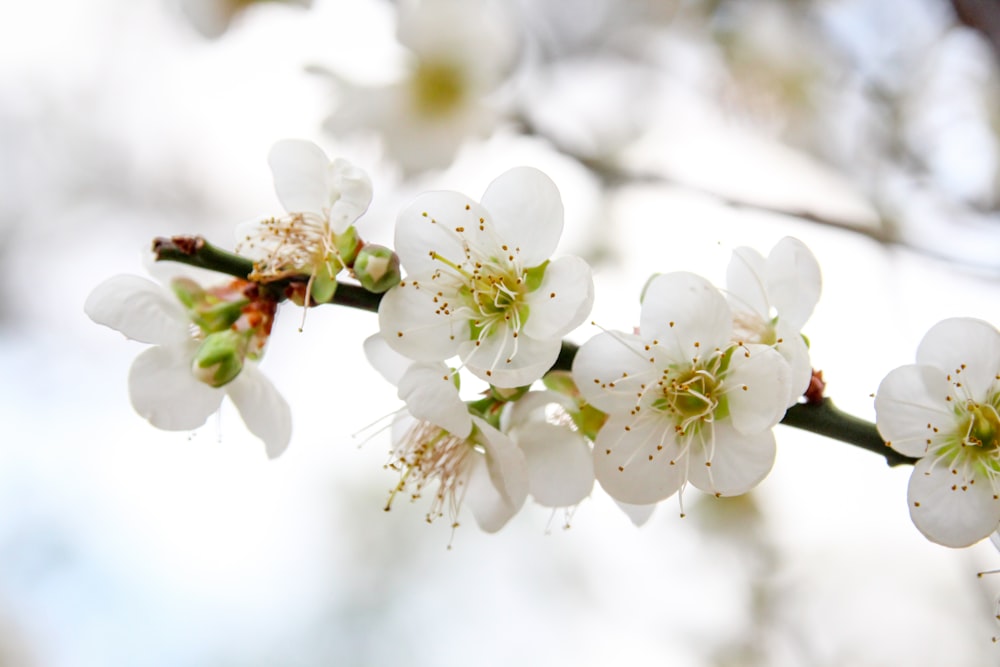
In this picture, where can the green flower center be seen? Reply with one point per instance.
(438, 87)
(691, 396)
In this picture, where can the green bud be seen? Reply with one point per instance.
(377, 268)
(188, 292)
(219, 359)
(348, 245)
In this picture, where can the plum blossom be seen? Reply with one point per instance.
(460, 51)
(945, 409)
(684, 403)
(771, 300)
(437, 442)
(322, 200)
(205, 343)
(480, 284)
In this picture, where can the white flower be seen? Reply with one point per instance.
(560, 462)
(436, 442)
(322, 199)
(944, 409)
(480, 284)
(166, 385)
(461, 50)
(684, 404)
(772, 299)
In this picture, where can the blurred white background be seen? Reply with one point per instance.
(670, 128)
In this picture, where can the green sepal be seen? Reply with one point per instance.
(219, 359)
(533, 276)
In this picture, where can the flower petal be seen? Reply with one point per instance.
(527, 211)
(163, 389)
(686, 313)
(446, 223)
(637, 514)
(415, 326)
(562, 301)
(390, 364)
(263, 409)
(299, 169)
(431, 395)
(966, 347)
(610, 368)
(349, 192)
(911, 401)
(497, 487)
(795, 351)
(140, 309)
(746, 282)
(505, 361)
(739, 462)
(560, 464)
(950, 510)
(794, 281)
(757, 388)
(628, 463)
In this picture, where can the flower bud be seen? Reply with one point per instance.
(377, 268)
(348, 245)
(219, 359)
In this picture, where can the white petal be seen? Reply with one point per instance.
(349, 192)
(431, 395)
(628, 464)
(686, 314)
(443, 223)
(950, 510)
(416, 327)
(531, 407)
(609, 369)
(965, 348)
(504, 361)
(637, 514)
(299, 169)
(756, 386)
(562, 301)
(560, 464)
(263, 409)
(528, 212)
(164, 391)
(739, 462)
(910, 403)
(498, 489)
(746, 282)
(795, 351)
(140, 309)
(390, 364)
(793, 281)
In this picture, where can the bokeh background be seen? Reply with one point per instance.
(676, 130)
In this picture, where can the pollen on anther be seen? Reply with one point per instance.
(621, 468)
(399, 334)
(424, 214)
(607, 451)
(745, 388)
(460, 229)
(467, 207)
(671, 325)
(917, 503)
(552, 295)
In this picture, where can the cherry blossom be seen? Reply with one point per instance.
(204, 346)
(480, 283)
(772, 299)
(945, 409)
(684, 403)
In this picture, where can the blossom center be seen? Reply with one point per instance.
(438, 87)
(690, 397)
(984, 426)
(492, 292)
(292, 244)
(427, 454)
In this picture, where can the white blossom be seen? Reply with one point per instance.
(165, 384)
(480, 284)
(439, 445)
(772, 299)
(460, 51)
(322, 200)
(945, 409)
(684, 404)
